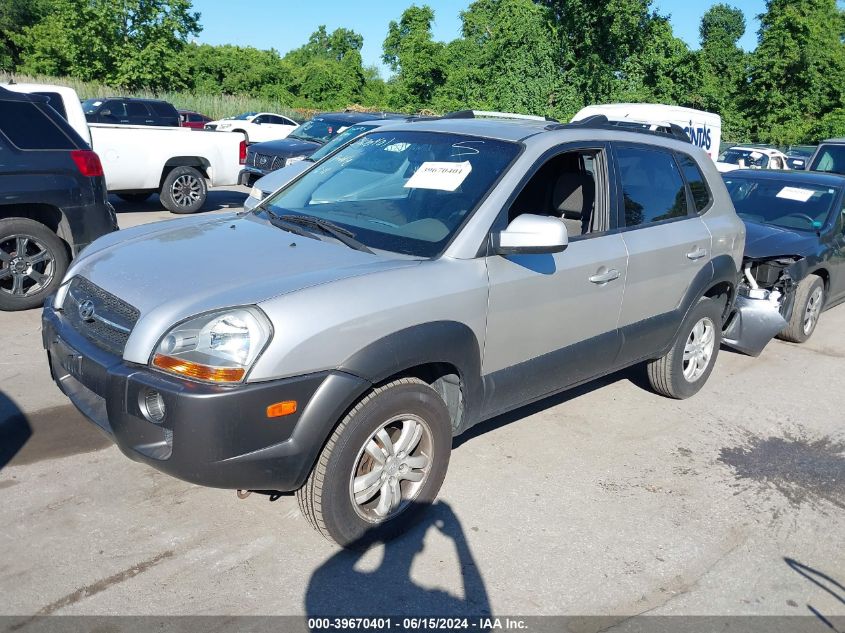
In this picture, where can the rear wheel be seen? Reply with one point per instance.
(381, 467)
(33, 261)
(809, 301)
(684, 370)
(184, 190)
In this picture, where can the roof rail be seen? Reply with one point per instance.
(600, 121)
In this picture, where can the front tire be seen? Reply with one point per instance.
(33, 261)
(683, 371)
(184, 190)
(809, 302)
(384, 463)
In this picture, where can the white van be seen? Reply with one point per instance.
(703, 128)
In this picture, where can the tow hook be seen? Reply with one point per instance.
(274, 495)
(243, 494)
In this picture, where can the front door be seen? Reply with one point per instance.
(552, 318)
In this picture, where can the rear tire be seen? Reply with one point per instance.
(33, 261)
(354, 499)
(184, 190)
(808, 306)
(684, 370)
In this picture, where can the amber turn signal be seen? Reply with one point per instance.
(197, 371)
(281, 409)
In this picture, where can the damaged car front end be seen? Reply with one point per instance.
(764, 302)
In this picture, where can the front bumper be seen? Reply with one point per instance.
(211, 435)
(250, 175)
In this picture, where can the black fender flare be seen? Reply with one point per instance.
(449, 342)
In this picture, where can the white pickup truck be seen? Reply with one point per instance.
(176, 162)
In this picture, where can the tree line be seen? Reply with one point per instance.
(548, 57)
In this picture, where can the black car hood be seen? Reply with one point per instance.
(765, 240)
(286, 147)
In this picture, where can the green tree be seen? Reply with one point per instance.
(797, 73)
(130, 43)
(15, 16)
(507, 60)
(721, 69)
(418, 61)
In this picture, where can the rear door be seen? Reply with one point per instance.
(139, 114)
(668, 246)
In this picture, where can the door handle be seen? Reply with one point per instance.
(697, 254)
(603, 278)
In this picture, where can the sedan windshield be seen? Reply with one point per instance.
(830, 158)
(747, 157)
(89, 106)
(316, 130)
(244, 116)
(401, 191)
(341, 139)
(790, 205)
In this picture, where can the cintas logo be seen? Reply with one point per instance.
(699, 136)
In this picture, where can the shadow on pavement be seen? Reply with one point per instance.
(218, 199)
(338, 588)
(14, 429)
(636, 375)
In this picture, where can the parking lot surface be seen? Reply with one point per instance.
(606, 500)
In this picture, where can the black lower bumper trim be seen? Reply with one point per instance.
(211, 435)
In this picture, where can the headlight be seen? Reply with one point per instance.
(256, 193)
(295, 159)
(217, 347)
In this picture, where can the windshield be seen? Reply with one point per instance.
(749, 157)
(790, 205)
(341, 139)
(89, 106)
(244, 116)
(830, 158)
(400, 191)
(316, 130)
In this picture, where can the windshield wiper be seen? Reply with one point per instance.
(340, 234)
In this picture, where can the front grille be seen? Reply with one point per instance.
(265, 162)
(99, 316)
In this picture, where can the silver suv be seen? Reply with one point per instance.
(422, 279)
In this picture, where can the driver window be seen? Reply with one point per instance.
(565, 187)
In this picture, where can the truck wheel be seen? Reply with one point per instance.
(381, 467)
(183, 191)
(135, 197)
(684, 370)
(33, 261)
(809, 301)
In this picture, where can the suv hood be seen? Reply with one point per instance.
(765, 240)
(174, 270)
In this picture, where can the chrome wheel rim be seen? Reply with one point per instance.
(814, 309)
(698, 350)
(391, 468)
(26, 266)
(186, 190)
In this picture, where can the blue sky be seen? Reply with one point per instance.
(285, 25)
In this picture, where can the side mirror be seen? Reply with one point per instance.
(255, 122)
(532, 234)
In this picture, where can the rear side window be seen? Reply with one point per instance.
(652, 187)
(163, 109)
(695, 179)
(27, 127)
(55, 102)
(136, 108)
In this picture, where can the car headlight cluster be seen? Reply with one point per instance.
(218, 347)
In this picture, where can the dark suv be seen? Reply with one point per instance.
(128, 111)
(53, 199)
(262, 158)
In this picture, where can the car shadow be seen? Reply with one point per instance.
(15, 430)
(339, 588)
(636, 375)
(217, 200)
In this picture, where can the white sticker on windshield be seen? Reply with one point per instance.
(796, 193)
(441, 176)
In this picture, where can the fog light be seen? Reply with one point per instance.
(152, 406)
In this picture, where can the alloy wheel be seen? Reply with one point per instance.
(186, 190)
(26, 266)
(699, 349)
(813, 310)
